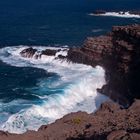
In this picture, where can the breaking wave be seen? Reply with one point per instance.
(72, 89)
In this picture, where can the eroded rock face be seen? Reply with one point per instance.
(118, 52)
(109, 122)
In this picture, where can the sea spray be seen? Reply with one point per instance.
(72, 90)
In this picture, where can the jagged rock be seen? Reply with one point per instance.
(29, 52)
(135, 12)
(118, 52)
(49, 52)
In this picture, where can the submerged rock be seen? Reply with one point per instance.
(49, 52)
(31, 52)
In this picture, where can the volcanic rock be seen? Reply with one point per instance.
(49, 52)
(29, 52)
(118, 52)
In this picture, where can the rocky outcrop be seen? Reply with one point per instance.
(109, 122)
(49, 52)
(94, 51)
(29, 52)
(34, 53)
(118, 52)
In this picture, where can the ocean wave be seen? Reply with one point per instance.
(73, 90)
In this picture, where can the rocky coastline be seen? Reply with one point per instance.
(118, 53)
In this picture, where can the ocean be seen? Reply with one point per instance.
(36, 92)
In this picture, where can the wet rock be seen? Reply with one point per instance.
(49, 52)
(29, 52)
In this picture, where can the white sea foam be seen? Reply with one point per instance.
(117, 14)
(79, 92)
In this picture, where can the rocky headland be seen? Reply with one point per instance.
(118, 53)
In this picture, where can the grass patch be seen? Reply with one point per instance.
(76, 120)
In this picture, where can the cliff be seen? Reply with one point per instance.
(118, 52)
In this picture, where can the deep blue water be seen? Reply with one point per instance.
(47, 23)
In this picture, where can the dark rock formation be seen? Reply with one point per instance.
(118, 52)
(109, 122)
(134, 12)
(29, 52)
(49, 52)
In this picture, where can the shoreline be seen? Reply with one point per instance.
(118, 54)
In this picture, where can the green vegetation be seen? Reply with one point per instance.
(76, 120)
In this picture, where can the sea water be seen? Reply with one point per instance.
(33, 91)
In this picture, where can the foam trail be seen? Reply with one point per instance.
(74, 90)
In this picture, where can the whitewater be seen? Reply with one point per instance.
(73, 88)
(120, 14)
